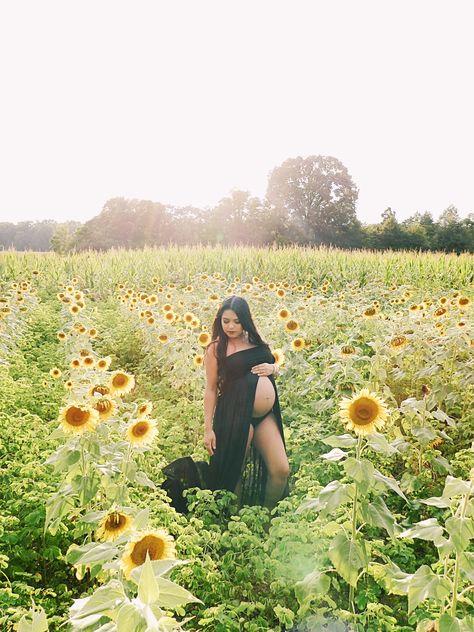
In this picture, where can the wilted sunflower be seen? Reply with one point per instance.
(121, 383)
(364, 412)
(292, 325)
(113, 525)
(204, 338)
(144, 409)
(78, 418)
(158, 544)
(105, 407)
(142, 431)
(298, 344)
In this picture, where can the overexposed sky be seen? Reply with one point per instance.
(180, 102)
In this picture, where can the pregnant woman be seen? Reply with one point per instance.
(243, 431)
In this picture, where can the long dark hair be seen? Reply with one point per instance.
(240, 306)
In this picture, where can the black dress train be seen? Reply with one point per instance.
(231, 423)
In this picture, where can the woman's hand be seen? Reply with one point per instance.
(263, 369)
(210, 441)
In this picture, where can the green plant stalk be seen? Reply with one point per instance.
(354, 522)
(456, 564)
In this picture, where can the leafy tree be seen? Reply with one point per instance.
(318, 196)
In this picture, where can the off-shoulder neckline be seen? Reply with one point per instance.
(241, 351)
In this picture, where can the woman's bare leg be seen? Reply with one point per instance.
(268, 441)
(238, 487)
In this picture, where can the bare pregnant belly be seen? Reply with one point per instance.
(264, 397)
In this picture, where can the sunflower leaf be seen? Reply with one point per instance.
(426, 585)
(316, 583)
(461, 531)
(340, 441)
(389, 482)
(336, 454)
(425, 530)
(348, 557)
(129, 618)
(148, 589)
(455, 487)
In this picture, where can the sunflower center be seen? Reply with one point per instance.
(115, 521)
(140, 429)
(150, 544)
(120, 380)
(76, 416)
(364, 411)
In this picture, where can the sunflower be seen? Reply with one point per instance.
(163, 338)
(88, 361)
(292, 325)
(105, 407)
(68, 384)
(169, 316)
(284, 313)
(61, 335)
(78, 418)
(121, 383)
(158, 544)
(74, 309)
(144, 410)
(100, 389)
(113, 525)
(364, 412)
(167, 307)
(347, 350)
(370, 312)
(204, 338)
(398, 342)
(279, 356)
(198, 360)
(463, 302)
(188, 317)
(298, 344)
(150, 320)
(103, 363)
(441, 311)
(55, 373)
(280, 292)
(75, 363)
(142, 431)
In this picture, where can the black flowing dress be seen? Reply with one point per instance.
(232, 419)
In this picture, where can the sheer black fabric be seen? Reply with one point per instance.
(231, 423)
(232, 419)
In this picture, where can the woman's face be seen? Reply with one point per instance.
(231, 324)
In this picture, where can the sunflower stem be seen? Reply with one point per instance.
(354, 522)
(456, 564)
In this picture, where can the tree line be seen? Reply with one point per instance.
(309, 201)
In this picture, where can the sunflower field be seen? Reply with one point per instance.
(101, 386)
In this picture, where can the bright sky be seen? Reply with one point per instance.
(180, 102)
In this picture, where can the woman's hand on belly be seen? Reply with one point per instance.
(263, 369)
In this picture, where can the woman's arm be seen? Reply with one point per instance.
(210, 398)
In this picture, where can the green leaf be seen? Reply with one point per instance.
(129, 618)
(336, 454)
(396, 581)
(389, 483)
(340, 441)
(315, 583)
(426, 585)
(362, 471)
(377, 514)
(87, 611)
(425, 530)
(455, 487)
(348, 557)
(424, 434)
(172, 595)
(34, 621)
(461, 531)
(447, 623)
(148, 591)
(379, 443)
(91, 552)
(330, 498)
(140, 521)
(142, 479)
(466, 561)
(436, 501)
